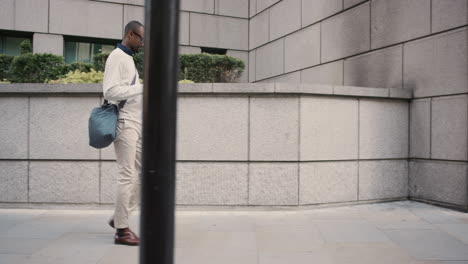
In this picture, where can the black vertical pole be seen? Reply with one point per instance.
(159, 130)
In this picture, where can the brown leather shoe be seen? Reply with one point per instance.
(127, 237)
(112, 224)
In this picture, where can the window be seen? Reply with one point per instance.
(78, 50)
(214, 51)
(10, 43)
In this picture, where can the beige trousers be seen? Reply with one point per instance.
(127, 147)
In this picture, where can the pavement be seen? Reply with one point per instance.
(403, 232)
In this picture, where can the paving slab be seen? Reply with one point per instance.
(403, 232)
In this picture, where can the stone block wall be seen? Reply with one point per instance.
(237, 144)
(369, 43)
(418, 45)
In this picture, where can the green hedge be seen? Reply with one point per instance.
(100, 61)
(78, 76)
(37, 68)
(5, 63)
(25, 47)
(80, 66)
(209, 68)
(41, 68)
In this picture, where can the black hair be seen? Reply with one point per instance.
(132, 26)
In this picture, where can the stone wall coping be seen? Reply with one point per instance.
(95, 89)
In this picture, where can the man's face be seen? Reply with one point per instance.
(137, 39)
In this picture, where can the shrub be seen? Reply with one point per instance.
(210, 68)
(139, 59)
(5, 63)
(25, 47)
(81, 66)
(37, 68)
(186, 81)
(100, 61)
(78, 76)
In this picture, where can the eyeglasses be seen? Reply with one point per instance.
(141, 38)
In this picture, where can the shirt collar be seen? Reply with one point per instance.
(125, 49)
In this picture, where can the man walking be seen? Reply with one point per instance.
(122, 87)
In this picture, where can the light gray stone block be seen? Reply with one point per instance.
(439, 181)
(346, 34)
(212, 183)
(44, 89)
(316, 88)
(252, 63)
(258, 29)
(383, 179)
(59, 128)
(360, 91)
(274, 128)
(287, 88)
(109, 175)
(202, 6)
(114, 1)
(252, 8)
(420, 128)
(329, 128)
(273, 183)
(437, 65)
(100, 20)
(31, 15)
(14, 128)
(382, 68)
(349, 3)
(264, 4)
(212, 128)
(108, 153)
(219, 32)
(243, 56)
(302, 49)
(400, 93)
(383, 127)
(449, 128)
(316, 10)
(330, 73)
(243, 88)
(195, 87)
(14, 179)
(285, 17)
(7, 14)
(137, 13)
(64, 182)
(328, 182)
(238, 8)
(399, 20)
(48, 43)
(136, 2)
(189, 50)
(294, 77)
(447, 14)
(269, 60)
(184, 28)
(430, 245)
